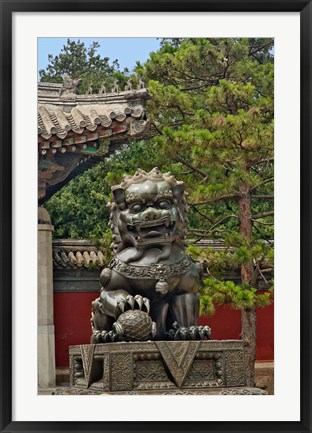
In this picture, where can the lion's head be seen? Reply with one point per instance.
(148, 210)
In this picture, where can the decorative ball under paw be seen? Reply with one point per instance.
(135, 325)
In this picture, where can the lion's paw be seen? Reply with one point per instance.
(104, 337)
(190, 333)
(136, 302)
(200, 332)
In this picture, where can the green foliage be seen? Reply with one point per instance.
(211, 110)
(78, 61)
(217, 290)
(79, 210)
(214, 292)
(104, 245)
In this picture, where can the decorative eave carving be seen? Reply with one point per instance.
(76, 131)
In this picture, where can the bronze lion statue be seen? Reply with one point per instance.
(150, 289)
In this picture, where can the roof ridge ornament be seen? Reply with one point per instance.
(128, 87)
(69, 87)
(141, 84)
(89, 89)
(115, 88)
(103, 89)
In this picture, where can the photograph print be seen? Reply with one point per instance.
(155, 216)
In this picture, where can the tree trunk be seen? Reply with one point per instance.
(249, 337)
(248, 276)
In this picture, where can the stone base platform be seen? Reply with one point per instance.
(159, 367)
(205, 391)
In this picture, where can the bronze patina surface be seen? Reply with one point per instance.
(151, 271)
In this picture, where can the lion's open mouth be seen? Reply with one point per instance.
(152, 230)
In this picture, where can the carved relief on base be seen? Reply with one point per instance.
(160, 365)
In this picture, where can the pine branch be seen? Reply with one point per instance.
(184, 173)
(262, 223)
(261, 47)
(270, 179)
(267, 270)
(191, 166)
(214, 225)
(263, 196)
(203, 215)
(262, 235)
(262, 275)
(262, 215)
(157, 129)
(222, 220)
(204, 180)
(215, 199)
(207, 83)
(261, 161)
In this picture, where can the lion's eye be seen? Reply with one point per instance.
(164, 204)
(136, 208)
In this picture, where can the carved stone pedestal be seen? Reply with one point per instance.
(170, 367)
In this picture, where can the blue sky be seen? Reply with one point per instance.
(125, 50)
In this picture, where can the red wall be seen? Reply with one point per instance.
(226, 324)
(72, 312)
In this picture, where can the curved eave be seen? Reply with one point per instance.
(88, 163)
(76, 131)
(54, 123)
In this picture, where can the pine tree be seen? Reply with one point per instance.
(78, 61)
(212, 112)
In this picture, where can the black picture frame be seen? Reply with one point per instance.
(7, 10)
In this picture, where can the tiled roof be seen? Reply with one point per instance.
(69, 253)
(76, 131)
(53, 120)
(60, 114)
(76, 254)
